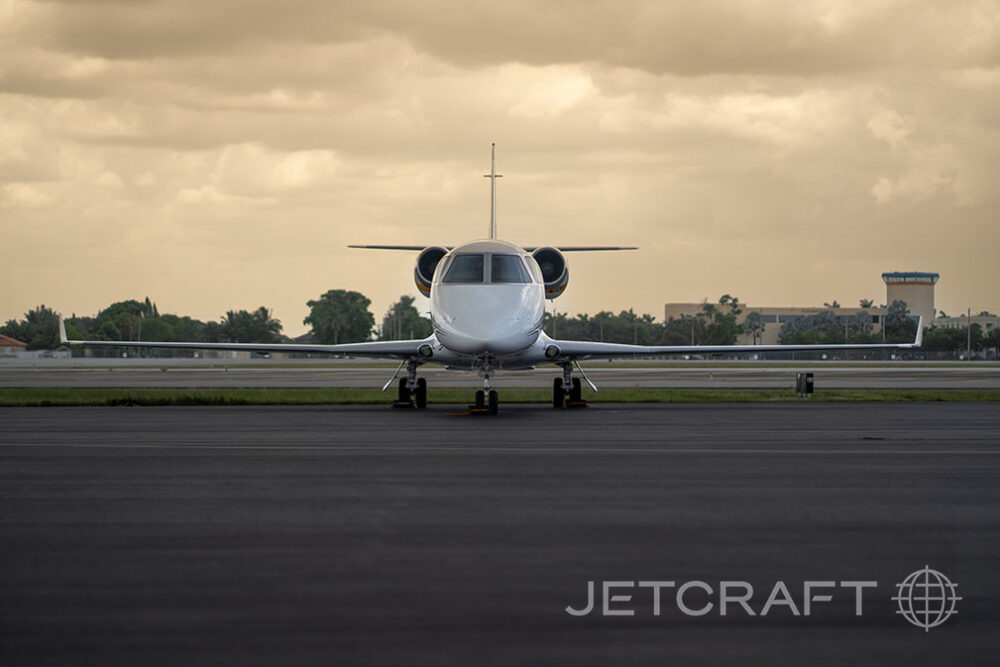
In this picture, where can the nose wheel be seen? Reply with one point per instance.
(487, 400)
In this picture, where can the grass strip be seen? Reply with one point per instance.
(67, 396)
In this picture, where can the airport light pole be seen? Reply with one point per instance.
(968, 333)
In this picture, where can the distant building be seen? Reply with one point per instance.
(987, 321)
(775, 316)
(915, 288)
(11, 347)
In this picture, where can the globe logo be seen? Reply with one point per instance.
(926, 598)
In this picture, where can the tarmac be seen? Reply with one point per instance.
(365, 535)
(753, 376)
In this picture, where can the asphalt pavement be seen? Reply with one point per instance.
(365, 535)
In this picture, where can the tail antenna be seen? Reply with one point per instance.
(493, 176)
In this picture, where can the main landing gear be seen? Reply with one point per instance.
(567, 390)
(412, 390)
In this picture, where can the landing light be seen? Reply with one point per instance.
(426, 351)
(552, 351)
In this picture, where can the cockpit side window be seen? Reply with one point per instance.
(465, 268)
(533, 269)
(508, 269)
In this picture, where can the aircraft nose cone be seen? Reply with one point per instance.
(498, 335)
(491, 319)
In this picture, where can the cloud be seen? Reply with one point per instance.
(891, 127)
(25, 195)
(769, 36)
(109, 179)
(722, 137)
(913, 186)
(251, 169)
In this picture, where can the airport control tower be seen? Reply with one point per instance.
(916, 288)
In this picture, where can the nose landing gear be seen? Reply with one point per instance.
(487, 400)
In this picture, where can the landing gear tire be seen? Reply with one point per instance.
(494, 403)
(404, 399)
(576, 392)
(558, 395)
(420, 395)
(480, 400)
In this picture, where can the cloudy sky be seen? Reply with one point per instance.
(218, 155)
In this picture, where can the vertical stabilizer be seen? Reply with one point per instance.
(493, 176)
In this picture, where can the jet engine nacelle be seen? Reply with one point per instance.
(555, 272)
(423, 272)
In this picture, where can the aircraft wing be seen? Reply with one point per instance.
(390, 349)
(573, 350)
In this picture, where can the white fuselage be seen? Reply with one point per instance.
(487, 298)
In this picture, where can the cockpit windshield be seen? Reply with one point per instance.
(508, 269)
(465, 268)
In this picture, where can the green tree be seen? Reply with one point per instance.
(975, 336)
(937, 339)
(183, 328)
(899, 326)
(754, 325)
(39, 329)
(340, 316)
(156, 328)
(992, 339)
(866, 303)
(241, 326)
(403, 321)
(827, 328)
(122, 320)
(823, 328)
(625, 327)
(683, 330)
(721, 327)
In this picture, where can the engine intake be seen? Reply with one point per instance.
(555, 272)
(423, 272)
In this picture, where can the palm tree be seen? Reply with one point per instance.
(754, 325)
(266, 325)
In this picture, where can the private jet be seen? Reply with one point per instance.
(487, 305)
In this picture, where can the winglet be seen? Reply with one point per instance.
(63, 338)
(920, 332)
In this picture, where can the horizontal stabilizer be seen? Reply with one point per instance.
(562, 248)
(588, 248)
(390, 247)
